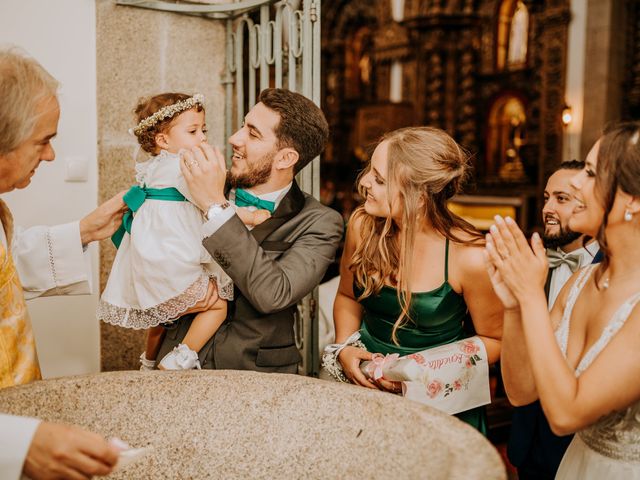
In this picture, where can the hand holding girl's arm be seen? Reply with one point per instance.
(103, 221)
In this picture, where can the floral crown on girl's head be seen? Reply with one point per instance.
(167, 112)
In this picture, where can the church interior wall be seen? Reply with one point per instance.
(109, 56)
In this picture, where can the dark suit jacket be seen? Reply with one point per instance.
(272, 267)
(532, 446)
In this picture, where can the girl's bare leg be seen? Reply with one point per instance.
(204, 325)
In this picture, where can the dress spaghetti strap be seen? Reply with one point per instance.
(446, 260)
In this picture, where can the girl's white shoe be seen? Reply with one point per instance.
(145, 363)
(180, 358)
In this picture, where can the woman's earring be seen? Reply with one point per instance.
(628, 216)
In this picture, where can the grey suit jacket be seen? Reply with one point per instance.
(272, 267)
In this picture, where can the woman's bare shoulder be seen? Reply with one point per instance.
(468, 253)
(355, 227)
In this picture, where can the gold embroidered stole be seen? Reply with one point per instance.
(18, 357)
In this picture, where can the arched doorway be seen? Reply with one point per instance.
(505, 137)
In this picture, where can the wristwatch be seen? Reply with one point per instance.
(216, 208)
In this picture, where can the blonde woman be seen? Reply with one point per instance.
(582, 359)
(412, 272)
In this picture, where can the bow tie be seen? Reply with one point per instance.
(557, 258)
(246, 199)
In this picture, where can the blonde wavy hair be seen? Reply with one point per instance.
(24, 83)
(426, 167)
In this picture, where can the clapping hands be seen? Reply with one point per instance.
(516, 269)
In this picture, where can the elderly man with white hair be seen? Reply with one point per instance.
(35, 262)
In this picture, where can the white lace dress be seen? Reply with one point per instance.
(610, 448)
(161, 269)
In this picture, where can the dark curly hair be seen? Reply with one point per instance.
(302, 125)
(147, 107)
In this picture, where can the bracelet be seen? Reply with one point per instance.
(330, 356)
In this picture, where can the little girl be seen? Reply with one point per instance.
(161, 269)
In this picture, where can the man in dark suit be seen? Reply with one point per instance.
(281, 260)
(533, 448)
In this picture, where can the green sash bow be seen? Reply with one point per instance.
(246, 199)
(134, 199)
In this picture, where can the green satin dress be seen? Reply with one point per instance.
(441, 316)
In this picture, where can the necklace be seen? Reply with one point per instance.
(605, 282)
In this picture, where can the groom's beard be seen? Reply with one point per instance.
(257, 174)
(564, 237)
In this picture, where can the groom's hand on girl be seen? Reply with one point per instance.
(204, 169)
(207, 302)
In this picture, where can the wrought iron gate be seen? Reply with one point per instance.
(269, 43)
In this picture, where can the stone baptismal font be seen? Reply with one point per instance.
(237, 424)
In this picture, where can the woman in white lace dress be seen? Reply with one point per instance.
(161, 270)
(583, 359)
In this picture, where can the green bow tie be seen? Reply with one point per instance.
(557, 258)
(246, 199)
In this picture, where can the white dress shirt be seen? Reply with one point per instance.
(216, 221)
(561, 274)
(16, 434)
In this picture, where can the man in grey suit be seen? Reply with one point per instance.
(281, 260)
